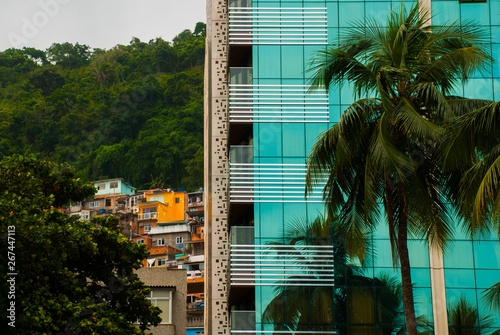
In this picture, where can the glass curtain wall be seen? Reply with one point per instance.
(365, 300)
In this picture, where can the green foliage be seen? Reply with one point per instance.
(132, 111)
(72, 276)
(68, 55)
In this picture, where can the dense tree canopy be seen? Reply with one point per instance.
(134, 111)
(71, 276)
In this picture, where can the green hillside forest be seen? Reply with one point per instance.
(134, 111)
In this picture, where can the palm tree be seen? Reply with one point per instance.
(381, 157)
(471, 154)
(355, 299)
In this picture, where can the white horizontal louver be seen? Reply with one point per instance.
(302, 332)
(266, 25)
(282, 265)
(254, 182)
(277, 103)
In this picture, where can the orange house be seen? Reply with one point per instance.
(163, 206)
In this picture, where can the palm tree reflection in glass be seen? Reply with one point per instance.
(357, 304)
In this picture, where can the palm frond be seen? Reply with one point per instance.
(492, 296)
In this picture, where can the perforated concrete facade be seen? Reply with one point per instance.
(216, 169)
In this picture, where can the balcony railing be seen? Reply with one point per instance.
(254, 182)
(241, 154)
(249, 102)
(242, 321)
(271, 25)
(194, 321)
(278, 264)
(277, 103)
(148, 216)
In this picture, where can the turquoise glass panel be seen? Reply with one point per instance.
(479, 88)
(293, 140)
(453, 296)
(419, 254)
(292, 65)
(271, 220)
(487, 255)
(458, 255)
(294, 212)
(313, 131)
(477, 12)
(314, 210)
(382, 253)
(420, 277)
(423, 303)
(445, 12)
(269, 61)
(333, 14)
(487, 278)
(269, 140)
(349, 12)
(377, 13)
(457, 278)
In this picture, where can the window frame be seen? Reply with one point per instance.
(154, 302)
(140, 241)
(94, 204)
(113, 184)
(148, 226)
(162, 240)
(179, 238)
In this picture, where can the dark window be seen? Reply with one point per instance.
(108, 202)
(177, 200)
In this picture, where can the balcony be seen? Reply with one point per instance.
(243, 322)
(194, 322)
(195, 204)
(257, 182)
(170, 229)
(278, 265)
(148, 216)
(274, 26)
(251, 103)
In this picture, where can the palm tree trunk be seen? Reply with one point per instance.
(408, 302)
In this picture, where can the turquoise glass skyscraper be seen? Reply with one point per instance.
(261, 123)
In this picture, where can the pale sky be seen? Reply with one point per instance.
(97, 23)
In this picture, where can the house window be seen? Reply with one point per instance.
(178, 239)
(147, 227)
(113, 184)
(93, 204)
(161, 261)
(162, 298)
(161, 241)
(177, 200)
(85, 216)
(158, 198)
(108, 202)
(140, 241)
(101, 186)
